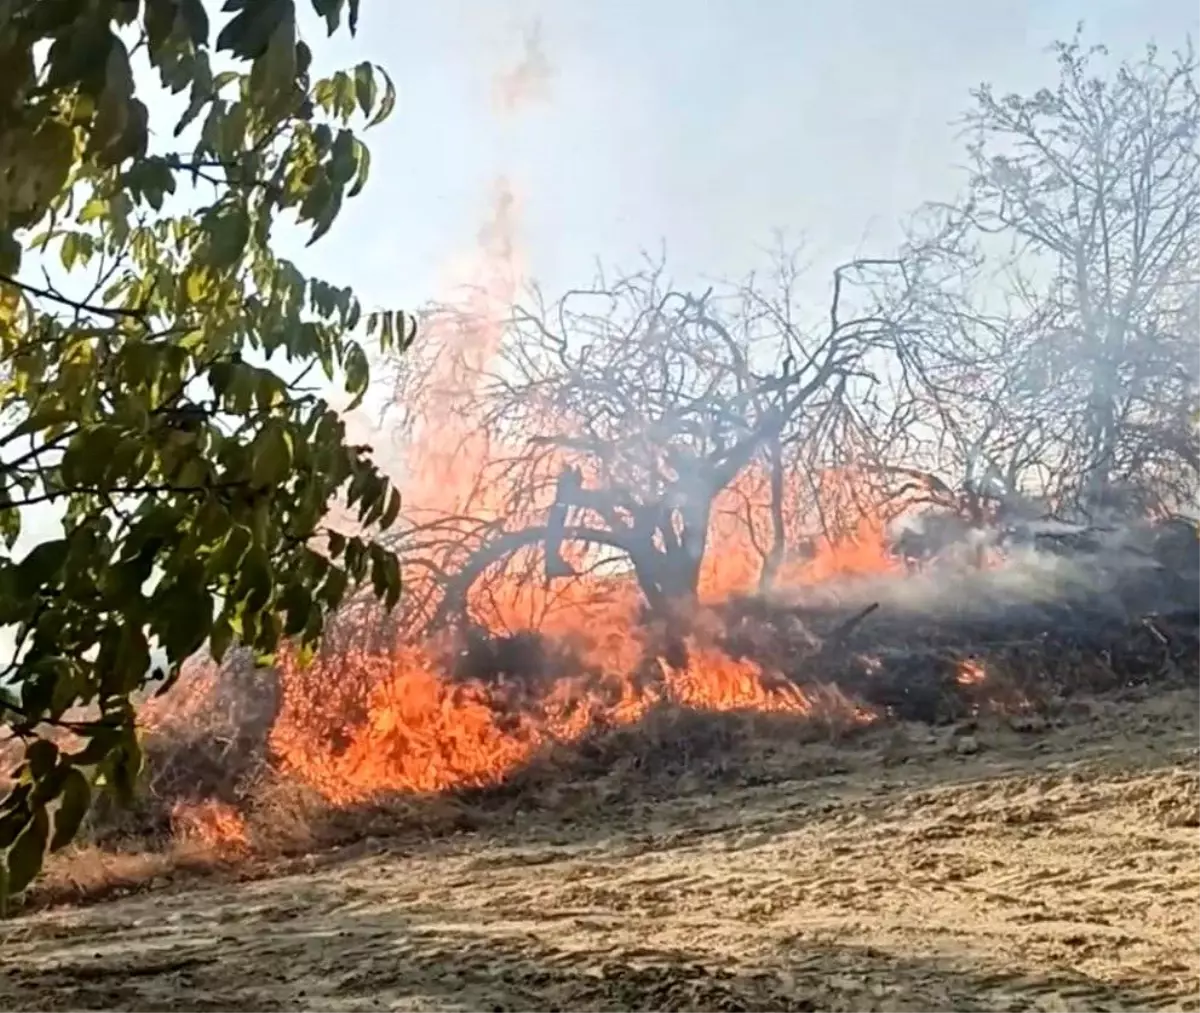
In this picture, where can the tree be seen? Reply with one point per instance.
(967, 424)
(619, 415)
(149, 405)
(1096, 185)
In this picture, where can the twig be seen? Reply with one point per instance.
(843, 630)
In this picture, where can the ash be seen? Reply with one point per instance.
(1117, 610)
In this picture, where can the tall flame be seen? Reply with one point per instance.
(361, 722)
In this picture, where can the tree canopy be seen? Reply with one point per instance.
(155, 351)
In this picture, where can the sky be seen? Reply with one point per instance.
(705, 126)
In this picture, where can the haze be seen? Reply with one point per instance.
(704, 126)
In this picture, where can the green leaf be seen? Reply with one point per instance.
(249, 33)
(333, 590)
(94, 209)
(272, 455)
(321, 206)
(196, 19)
(190, 468)
(76, 799)
(69, 250)
(358, 373)
(41, 755)
(385, 575)
(297, 601)
(14, 820)
(229, 556)
(10, 254)
(256, 581)
(361, 173)
(365, 88)
(10, 528)
(343, 161)
(389, 99)
(330, 11)
(220, 638)
(42, 567)
(121, 767)
(392, 512)
(228, 233)
(356, 558)
(24, 859)
(275, 71)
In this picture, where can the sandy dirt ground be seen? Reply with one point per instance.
(1051, 868)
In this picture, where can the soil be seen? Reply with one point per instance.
(1016, 865)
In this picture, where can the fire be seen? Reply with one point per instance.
(714, 681)
(842, 522)
(363, 722)
(419, 729)
(415, 727)
(970, 673)
(210, 824)
(425, 733)
(357, 724)
(360, 723)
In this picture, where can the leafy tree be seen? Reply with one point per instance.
(191, 475)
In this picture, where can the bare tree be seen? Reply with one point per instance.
(1096, 185)
(619, 413)
(1029, 349)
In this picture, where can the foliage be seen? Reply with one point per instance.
(191, 481)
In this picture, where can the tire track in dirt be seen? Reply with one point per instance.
(1053, 872)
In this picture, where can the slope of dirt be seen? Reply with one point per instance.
(1037, 868)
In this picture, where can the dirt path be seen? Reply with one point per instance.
(1052, 870)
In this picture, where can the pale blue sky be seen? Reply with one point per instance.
(704, 124)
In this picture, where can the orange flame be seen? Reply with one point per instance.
(970, 673)
(425, 733)
(362, 722)
(210, 824)
(420, 730)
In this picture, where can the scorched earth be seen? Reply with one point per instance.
(1049, 867)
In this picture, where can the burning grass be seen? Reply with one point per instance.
(556, 693)
(248, 768)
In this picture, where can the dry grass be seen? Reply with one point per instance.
(277, 820)
(212, 802)
(1053, 867)
(88, 873)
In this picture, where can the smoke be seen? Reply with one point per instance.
(1117, 572)
(433, 415)
(529, 80)
(455, 442)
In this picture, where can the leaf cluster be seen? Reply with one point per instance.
(191, 474)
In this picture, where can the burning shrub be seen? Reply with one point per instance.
(205, 749)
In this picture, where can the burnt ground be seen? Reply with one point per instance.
(1002, 864)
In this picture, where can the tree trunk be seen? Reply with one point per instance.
(774, 560)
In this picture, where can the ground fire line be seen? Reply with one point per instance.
(479, 717)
